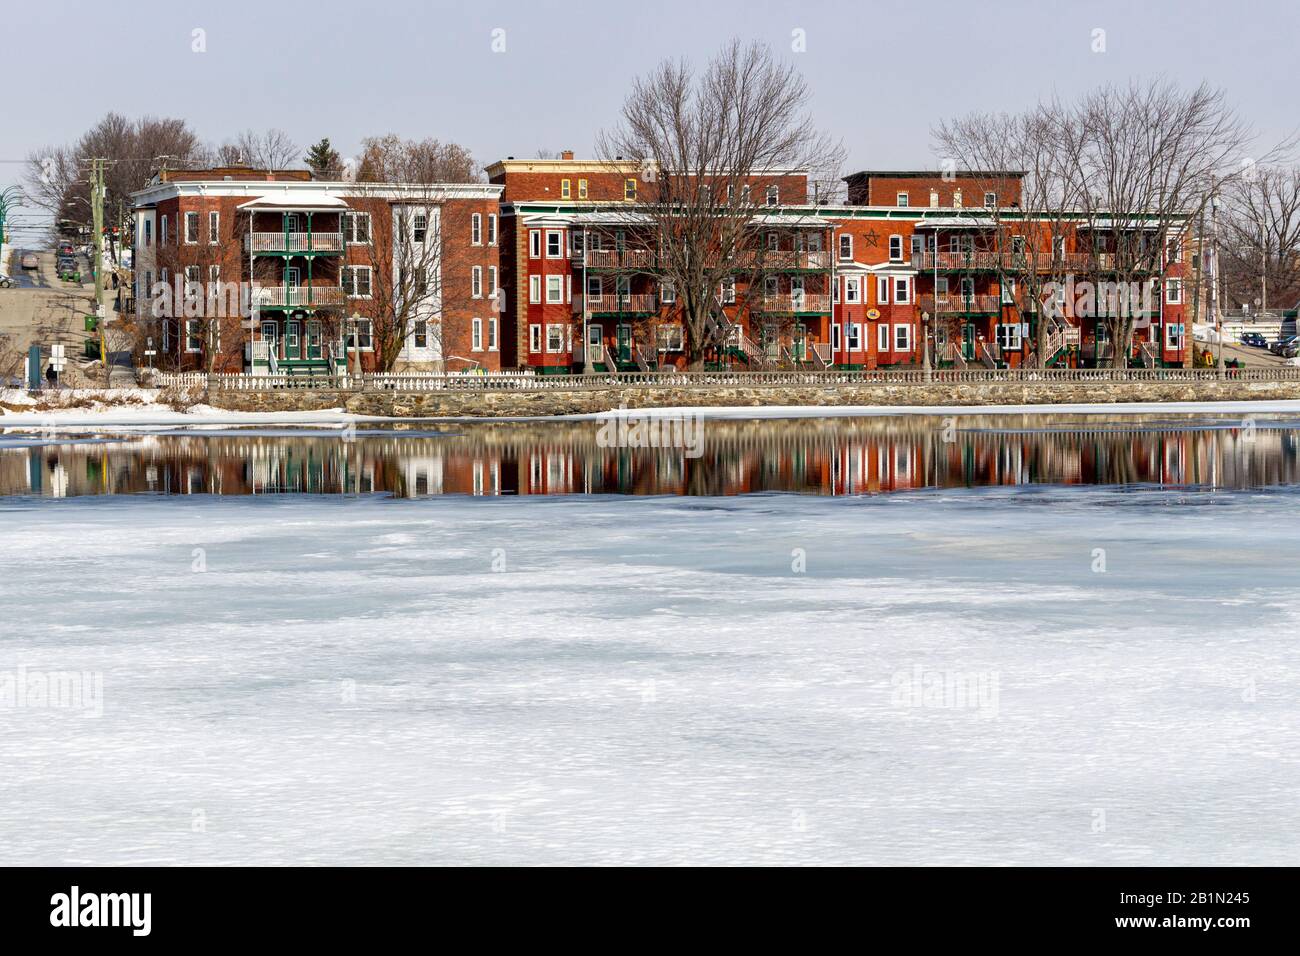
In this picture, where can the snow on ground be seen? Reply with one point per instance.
(647, 680)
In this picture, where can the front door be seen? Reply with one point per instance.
(270, 335)
(799, 346)
(595, 339)
(313, 339)
(968, 341)
(292, 342)
(625, 343)
(291, 280)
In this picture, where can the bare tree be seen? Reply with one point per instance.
(1261, 241)
(703, 142)
(391, 159)
(272, 149)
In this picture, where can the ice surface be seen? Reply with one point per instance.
(648, 681)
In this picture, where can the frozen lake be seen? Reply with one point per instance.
(942, 676)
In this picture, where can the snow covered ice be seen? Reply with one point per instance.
(648, 681)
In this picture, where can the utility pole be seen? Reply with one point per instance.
(1214, 276)
(97, 211)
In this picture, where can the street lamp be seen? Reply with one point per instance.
(925, 344)
(1214, 277)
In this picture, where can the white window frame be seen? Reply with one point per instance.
(214, 227)
(896, 240)
(902, 290)
(492, 333)
(555, 237)
(846, 240)
(492, 281)
(727, 290)
(1010, 336)
(554, 347)
(162, 232)
(355, 336)
(667, 292)
(193, 334)
(476, 229)
(773, 196)
(476, 335)
(534, 244)
(492, 229)
(990, 200)
(534, 289)
(534, 338)
(598, 283)
(555, 290)
(902, 337)
(350, 231)
(1173, 291)
(882, 338)
(852, 290)
(476, 282)
(901, 200)
(882, 290)
(351, 288)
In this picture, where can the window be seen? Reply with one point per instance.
(882, 338)
(852, 289)
(360, 337)
(902, 290)
(941, 289)
(918, 245)
(1009, 337)
(193, 335)
(492, 335)
(1175, 250)
(420, 334)
(728, 291)
(772, 242)
(148, 232)
(667, 292)
(846, 247)
(566, 189)
(629, 189)
(191, 276)
(476, 282)
(855, 336)
(1174, 291)
(934, 198)
(214, 274)
(534, 338)
(1018, 245)
(162, 232)
(356, 281)
(535, 244)
(835, 338)
(492, 229)
(476, 335)
(595, 288)
(555, 338)
(554, 290)
(902, 338)
(670, 338)
(1058, 247)
(835, 292)
(492, 282)
(357, 227)
(1173, 336)
(895, 248)
(882, 290)
(990, 200)
(554, 245)
(582, 189)
(214, 227)
(901, 199)
(534, 289)
(773, 196)
(476, 229)
(419, 226)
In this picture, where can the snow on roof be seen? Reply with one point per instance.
(283, 199)
(957, 222)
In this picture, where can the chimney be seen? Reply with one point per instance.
(566, 154)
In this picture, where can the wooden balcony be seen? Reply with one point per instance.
(782, 260)
(962, 304)
(798, 304)
(294, 243)
(299, 297)
(638, 260)
(614, 303)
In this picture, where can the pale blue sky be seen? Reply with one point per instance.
(881, 74)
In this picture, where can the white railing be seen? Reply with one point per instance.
(425, 382)
(271, 296)
(617, 302)
(298, 242)
(806, 302)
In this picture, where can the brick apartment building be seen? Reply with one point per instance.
(860, 285)
(319, 261)
(551, 267)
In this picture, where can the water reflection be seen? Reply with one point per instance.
(805, 456)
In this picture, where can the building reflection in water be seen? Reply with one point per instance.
(805, 456)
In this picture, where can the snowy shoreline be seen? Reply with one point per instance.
(153, 415)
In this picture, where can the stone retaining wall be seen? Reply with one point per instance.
(557, 402)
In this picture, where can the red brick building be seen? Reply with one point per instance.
(294, 274)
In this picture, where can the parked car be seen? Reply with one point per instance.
(1281, 345)
(5, 281)
(1255, 339)
(1290, 351)
(30, 261)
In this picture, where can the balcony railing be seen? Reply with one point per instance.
(962, 304)
(804, 302)
(987, 260)
(617, 302)
(293, 242)
(614, 258)
(782, 259)
(298, 297)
